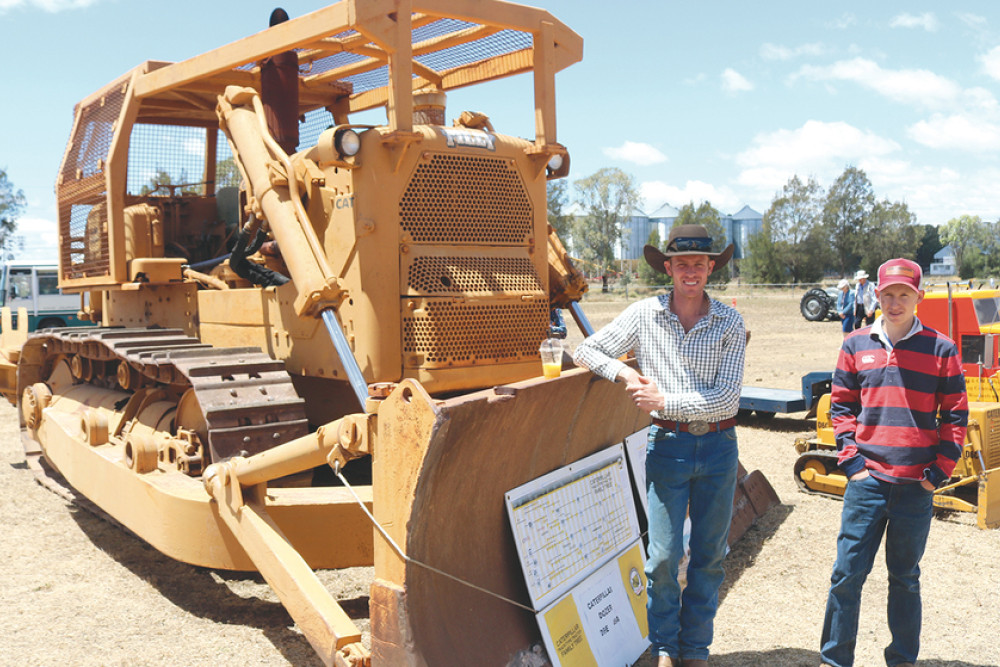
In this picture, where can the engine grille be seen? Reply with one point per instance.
(472, 275)
(991, 437)
(466, 199)
(444, 332)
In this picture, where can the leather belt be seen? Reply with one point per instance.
(697, 427)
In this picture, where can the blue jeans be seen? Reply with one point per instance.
(698, 472)
(903, 513)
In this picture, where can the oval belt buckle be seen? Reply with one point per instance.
(699, 427)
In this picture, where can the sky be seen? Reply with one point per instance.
(699, 101)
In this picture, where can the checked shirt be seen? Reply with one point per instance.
(700, 372)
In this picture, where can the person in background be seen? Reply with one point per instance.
(899, 412)
(865, 300)
(690, 351)
(845, 306)
(557, 325)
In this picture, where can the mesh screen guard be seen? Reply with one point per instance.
(476, 275)
(443, 333)
(466, 199)
(82, 192)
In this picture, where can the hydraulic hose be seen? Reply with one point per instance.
(255, 273)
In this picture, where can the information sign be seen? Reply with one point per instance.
(577, 536)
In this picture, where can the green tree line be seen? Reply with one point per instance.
(807, 232)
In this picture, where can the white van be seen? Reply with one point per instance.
(35, 287)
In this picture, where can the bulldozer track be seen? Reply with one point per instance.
(246, 398)
(829, 461)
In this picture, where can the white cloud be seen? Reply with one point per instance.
(51, 6)
(770, 51)
(637, 153)
(193, 146)
(937, 194)
(972, 20)
(981, 101)
(957, 131)
(816, 149)
(658, 193)
(907, 86)
(845, 21)
(40, 237)
(927, 21)
(822, 150)
(734, 82)
(991, 62)
(815, 140)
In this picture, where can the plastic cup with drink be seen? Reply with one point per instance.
(551, 350)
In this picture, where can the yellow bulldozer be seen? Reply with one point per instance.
(972, 319)
(315, 340)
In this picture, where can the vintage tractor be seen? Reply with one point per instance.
(286, 301)
(819, 304)
(971, 319)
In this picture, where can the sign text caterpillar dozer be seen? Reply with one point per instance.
(277, 290)
(972, 320)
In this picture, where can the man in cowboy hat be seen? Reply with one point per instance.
(690, 351)
(865, 300)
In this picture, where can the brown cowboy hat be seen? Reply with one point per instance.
(687, 240)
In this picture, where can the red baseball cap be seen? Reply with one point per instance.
(899, 272)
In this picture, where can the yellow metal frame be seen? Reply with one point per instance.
(380, 31)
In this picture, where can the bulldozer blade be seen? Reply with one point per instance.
(988, 511)
(439, 485)
(754, 497)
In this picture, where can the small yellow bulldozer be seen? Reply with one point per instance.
(971, 319)
(315, 340)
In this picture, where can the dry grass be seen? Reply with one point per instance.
(77, 590)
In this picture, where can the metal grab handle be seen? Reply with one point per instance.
(343, 348)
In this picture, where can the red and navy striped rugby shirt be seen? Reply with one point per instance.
(886, 401)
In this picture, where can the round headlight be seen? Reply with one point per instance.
(347, 142)
(555, 162)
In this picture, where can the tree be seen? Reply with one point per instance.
(985, 260)
(762, 263)
(990, 254)
(849, 204)
(708, 217)
(12, 203)
(647, 274)
(608, 196)
(965, 234)
(796, 229)
(891, 233)
(928, 244)
(227, 174)
(557, 195)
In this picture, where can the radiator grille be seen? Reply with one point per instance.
(991, 438)
(466, 199)
(82, 191)
(472, 275)
(445, 332)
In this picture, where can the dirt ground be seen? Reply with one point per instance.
(77, 590)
